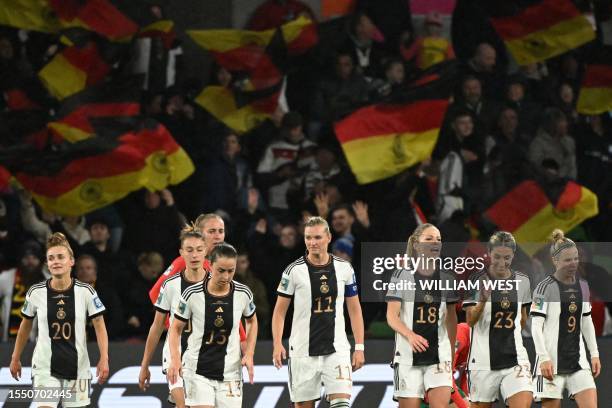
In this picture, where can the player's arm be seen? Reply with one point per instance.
(22, 338)
(102, 368)
(354, 311)
(174, 340)
(155, 332)
(524, 316)
(590, 338)
(251, 340)
(539, 310)
(417, 342)
(278, 325)
(473, 312)
(451, 327)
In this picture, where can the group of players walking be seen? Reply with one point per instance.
(207, 346)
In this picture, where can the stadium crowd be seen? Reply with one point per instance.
(505, 124)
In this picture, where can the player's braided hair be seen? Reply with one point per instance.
(501, 239)
(190, 231)
(58, 239)
(560, 242)
(414, 238)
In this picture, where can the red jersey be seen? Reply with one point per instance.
(462, 351)
(175, 267)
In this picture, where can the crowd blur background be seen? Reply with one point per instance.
(297, 117)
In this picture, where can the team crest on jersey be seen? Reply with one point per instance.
(61, 315)
(428, 298)
(182, 307)
(573, 308)
(219, 321)
(97, 303)
(324, 287)
(505, 303)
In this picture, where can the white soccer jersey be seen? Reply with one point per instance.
(213, 348)
(424, 312)
(496, 338)
(562, 306)
(61, 348)
(167, 302)
(318, 294)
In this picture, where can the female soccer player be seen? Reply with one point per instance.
(62, 305)
(561, 317)
(212, 362)
(425, 322)
(498, 361)
(193, 250)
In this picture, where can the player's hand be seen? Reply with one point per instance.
(595, 366)
(358, 360)
(546, 368)
(144, 378)
(247, 361)
(15, 369)
(174, 372)
(418, 343)
(278, 355)
(102, 370)
(485, 294)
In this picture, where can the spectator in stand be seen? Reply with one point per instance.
(86, 270)
(268, 253)
(365, 52)
(471, 98)
(483, 66)
(326, 167)
(338, 96)
(594, 154)
(274, 13)
(111, 265)
(528, 111)
(139, 311)
(395, 75)
(246, 276)
(565, 99)
(285, 162)
(10, 237)
(153, 223)
(461, 168)
(14, 284)
(506, 157)
(343, 248)
(553, 142)
(227, 177)
(537, 81)
(432, 48)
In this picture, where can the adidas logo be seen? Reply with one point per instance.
(219, 310)
(323, 277)
(61, 302)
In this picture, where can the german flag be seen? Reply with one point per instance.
(382, 140)
(73, 69)
(99, 16)
(242, 50)
(596, 90)
(163, 29)
(35, 15)
(240, 111)
(536, 30)
(117, 99)
(533, 219)
(76, 178)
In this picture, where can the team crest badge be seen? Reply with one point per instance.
(428, 298)
(573, 307)
(219, 321)
(324, 288)
(182, 307)
(284, 283)
(61, 315)
(505, 303)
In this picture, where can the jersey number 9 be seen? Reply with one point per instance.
(571, 324)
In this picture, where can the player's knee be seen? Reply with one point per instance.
(339, 403)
